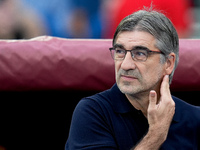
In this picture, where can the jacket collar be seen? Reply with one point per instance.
(121, 104)
(119, 101)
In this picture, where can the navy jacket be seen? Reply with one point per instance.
(107, 121)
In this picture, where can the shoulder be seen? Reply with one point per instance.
(182, 104)
(187, 111)
(90, 126)
(91, 112)
(98, 102)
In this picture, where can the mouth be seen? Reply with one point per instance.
(128, 78)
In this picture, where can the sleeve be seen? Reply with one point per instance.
(89, 130)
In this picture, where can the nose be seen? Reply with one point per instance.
(128, 63)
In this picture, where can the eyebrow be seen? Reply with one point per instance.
(135, 47)
(118, 46)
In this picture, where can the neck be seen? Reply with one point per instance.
(140, 101)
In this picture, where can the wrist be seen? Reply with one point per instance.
(158, 133)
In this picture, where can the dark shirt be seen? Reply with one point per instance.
(108, 121)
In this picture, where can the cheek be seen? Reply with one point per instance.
(153, 72)
(117, 67)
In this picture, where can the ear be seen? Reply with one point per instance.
(169, 64)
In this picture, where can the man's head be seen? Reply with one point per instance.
(145, 30)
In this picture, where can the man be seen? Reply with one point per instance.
(138, 112)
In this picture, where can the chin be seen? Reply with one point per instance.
(127, 88)
(133, 90)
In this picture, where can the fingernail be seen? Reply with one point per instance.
(153, 94)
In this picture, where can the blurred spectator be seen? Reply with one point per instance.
(179, 11)
(71, 18)
(196, 3)
(54, 13)
(85, 19)
(196, 24)
(99, 18)
(19, 22)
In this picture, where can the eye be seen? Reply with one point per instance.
(119, 51)
(140, 53)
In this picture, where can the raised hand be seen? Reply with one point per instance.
(160, 112)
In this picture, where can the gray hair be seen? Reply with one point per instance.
(158, 25)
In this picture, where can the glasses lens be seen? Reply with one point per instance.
(119, 54)
(140, 55)
(137, 54)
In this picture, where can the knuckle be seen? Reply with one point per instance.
(170, 102)
(173, 104)
(151, 111)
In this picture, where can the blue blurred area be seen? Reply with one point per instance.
(70, 18)
(54, 14)
(58, 15)
(92, 11)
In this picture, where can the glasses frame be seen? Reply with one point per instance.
(134, 58)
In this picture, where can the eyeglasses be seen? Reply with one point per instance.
(138, 53)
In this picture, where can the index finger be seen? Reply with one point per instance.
(165, 85)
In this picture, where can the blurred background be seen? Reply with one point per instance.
(97, 19)
(23, 19)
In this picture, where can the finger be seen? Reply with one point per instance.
(152, 99)
(165, 85)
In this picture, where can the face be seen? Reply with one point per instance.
(136, 77)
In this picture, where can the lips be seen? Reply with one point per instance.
(127, 77)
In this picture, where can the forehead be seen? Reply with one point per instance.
(130, 39)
